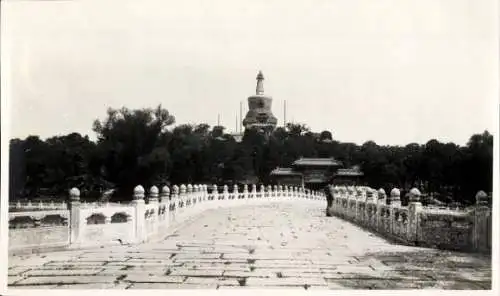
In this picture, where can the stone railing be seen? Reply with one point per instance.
(36, 206)
(466, 230)
(91, 225)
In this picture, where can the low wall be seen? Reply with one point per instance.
(38, 229)
(94, 225)
(465, 230)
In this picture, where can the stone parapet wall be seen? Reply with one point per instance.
(464, 230)
(38, 229)
(94, 225)
(36, 206)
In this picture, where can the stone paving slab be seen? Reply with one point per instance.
(17, 270)
(61, 272)
(197, 272)
(76, 263)
(281, 245)
(47, 280)
(304, 274)
(297, 281)
(144, 278)
(42, 287)
(11, 280)
(92, 286)
(245, 274)
(171, 286)
(135, 271)
(261, 287)
(219, 266)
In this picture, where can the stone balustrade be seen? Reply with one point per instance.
(151, 215)
(19, 206)
(465, 230)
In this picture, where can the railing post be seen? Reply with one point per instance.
(254, 191)
(196, 195)
(139, 206)
(395, 198)
(369, 205)
(343, 200)
(153, 195)
(262, 191)
(414, 209)
(165, 201)
(199, 196)
(189, 196)
(165, 194)
(350, 196)
(235, 195)
(395, 202)
(74, 216)
(182, 195)
(359, 201)
(481, 233)
(153, 200)
(215, 192)
(245, 191)
(174, 203)
(182, 201)
(199, 193)
(381, 200)
(205, 192)
(225, 193)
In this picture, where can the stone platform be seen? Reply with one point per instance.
(277, 245)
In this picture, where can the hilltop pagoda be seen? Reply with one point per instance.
(259, 115)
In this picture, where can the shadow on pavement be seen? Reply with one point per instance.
(423, 269)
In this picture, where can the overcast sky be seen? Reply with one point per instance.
(390, 71)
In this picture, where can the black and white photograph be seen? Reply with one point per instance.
(320, 145)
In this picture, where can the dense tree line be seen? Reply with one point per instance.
(141, 147)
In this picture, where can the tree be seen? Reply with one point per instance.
(17, 169)
(133, 146)
(138, 147)
(477, 165)
(326, 136)
(50, 167)
(296, 129)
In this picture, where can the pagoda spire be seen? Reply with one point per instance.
(260, 84)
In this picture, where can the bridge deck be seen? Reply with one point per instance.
(285, 245)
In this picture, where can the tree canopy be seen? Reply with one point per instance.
(143, 147)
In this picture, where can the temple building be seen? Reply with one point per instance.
(316, 173)
(259, 115)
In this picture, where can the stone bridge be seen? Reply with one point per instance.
(272, 238)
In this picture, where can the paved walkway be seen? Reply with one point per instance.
(282, 245)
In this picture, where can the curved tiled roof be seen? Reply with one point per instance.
(318, 162)
(285, 171)
(349, 172)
